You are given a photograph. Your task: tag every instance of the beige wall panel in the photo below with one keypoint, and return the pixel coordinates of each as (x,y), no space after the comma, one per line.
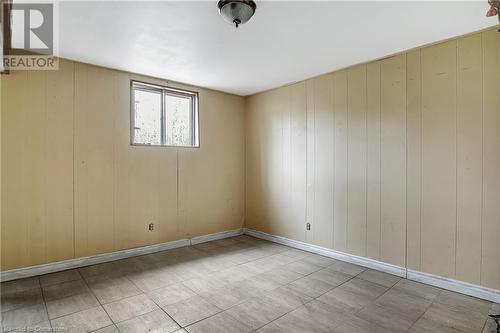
(439,159)
(94,160)
(285,222)
(490,263)
(34,167)
(414,157)
(324,143)
(340,207)
(76,186)
(145,180)
(373,161)
(280,174)
(254,172)
(58,154)
(406,157)
(211,179)
(297,205)
(15,248)
(1,211)
(393,160)
(357,154)
(262,148)
(311,159)
(469,159)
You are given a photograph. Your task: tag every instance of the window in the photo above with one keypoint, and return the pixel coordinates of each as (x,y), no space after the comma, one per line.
(163,116)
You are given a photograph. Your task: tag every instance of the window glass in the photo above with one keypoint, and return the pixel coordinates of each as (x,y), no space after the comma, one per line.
(164,116)
(179,128)
(147,122)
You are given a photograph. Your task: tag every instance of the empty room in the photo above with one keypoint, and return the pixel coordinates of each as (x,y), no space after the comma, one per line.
(250,166)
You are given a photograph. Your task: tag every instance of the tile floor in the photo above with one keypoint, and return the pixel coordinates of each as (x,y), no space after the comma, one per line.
(239,284)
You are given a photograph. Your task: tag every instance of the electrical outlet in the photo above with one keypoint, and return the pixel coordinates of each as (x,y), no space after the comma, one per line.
(308,226)
(151,227)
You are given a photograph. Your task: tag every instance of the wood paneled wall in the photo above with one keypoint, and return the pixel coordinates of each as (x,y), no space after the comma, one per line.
(73,186)
(396,160)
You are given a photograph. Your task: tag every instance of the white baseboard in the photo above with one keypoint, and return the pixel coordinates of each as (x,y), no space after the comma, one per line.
(25,272)
(216,236)
(361,261)
(492,295)
(466,288)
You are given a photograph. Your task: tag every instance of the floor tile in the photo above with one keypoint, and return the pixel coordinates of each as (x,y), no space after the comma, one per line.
(358,325)
(191,310)
(302,267)
(297,254)
(155,321)
(64,289)
(20,285)
(411,307)
(25,317)
(271,328)
(452,317)
(333,278)
(383,317)
(463,302)
(347,268)
(424,325)
(288,297)
(280,276)
(319,260)
(83,321)
(231,275)
(105,270)
(241,284)
(154,279)
(257,312)
(417,289)
(113,289)
(131,307)
(171,294)
(312,317)
(311,287)
(201,285)
(220,323)
(67,305)
(355,293)
(107,329)
(381,278)
(59,277)
(18,299)
(227,296)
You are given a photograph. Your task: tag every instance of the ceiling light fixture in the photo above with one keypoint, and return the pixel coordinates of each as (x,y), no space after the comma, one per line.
(237,11)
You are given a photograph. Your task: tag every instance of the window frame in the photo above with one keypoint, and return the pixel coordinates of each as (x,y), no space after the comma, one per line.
(164,91)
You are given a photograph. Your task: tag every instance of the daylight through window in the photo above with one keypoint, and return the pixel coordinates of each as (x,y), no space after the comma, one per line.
(163,116)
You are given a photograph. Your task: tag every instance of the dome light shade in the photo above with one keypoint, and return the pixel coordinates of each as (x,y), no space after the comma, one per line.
(237,11)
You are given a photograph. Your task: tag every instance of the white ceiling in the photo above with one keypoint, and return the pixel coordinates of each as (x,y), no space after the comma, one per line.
(286,41)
